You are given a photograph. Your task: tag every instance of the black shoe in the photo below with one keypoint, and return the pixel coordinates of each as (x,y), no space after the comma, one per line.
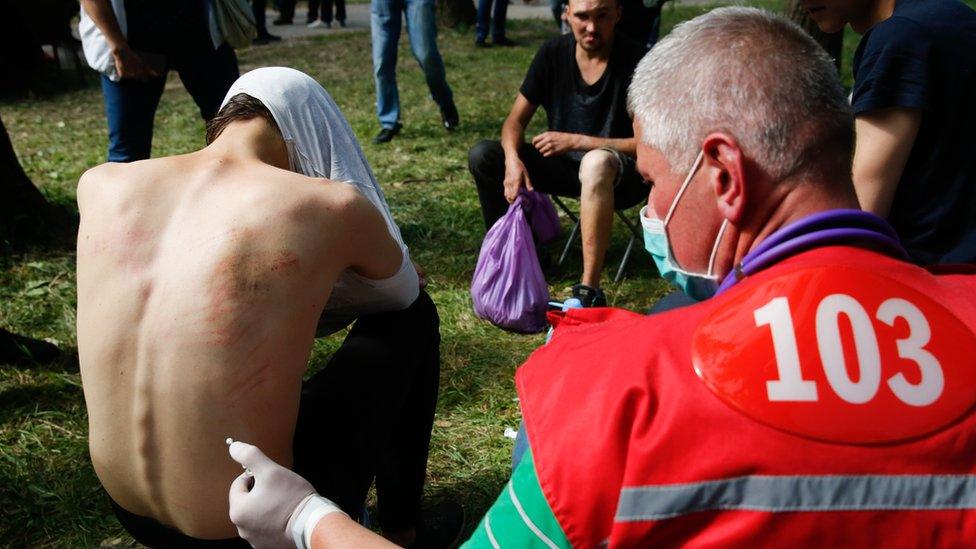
(481,44)
(589,296)
(441,527)
(503,42)
(387,134)
(16,348)
(342,23)
(265,39)
(450,117)
(281,21)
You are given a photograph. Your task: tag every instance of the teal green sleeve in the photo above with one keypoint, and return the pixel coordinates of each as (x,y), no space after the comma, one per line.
(521,516)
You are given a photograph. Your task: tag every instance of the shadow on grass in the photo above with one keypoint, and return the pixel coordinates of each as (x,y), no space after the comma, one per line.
(19,402)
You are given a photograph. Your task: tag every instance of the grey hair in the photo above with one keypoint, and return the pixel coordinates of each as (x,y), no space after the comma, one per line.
(752,74)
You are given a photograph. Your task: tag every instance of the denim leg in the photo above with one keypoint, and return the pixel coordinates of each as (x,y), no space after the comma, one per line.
(498,16)
(521,445)
(207,76)
(422,27)
(384,20)
(130,108)
(484,19)
(557,11)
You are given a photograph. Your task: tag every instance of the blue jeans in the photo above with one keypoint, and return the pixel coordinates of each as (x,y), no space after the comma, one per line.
(385,17)
(496,17)
(130,106)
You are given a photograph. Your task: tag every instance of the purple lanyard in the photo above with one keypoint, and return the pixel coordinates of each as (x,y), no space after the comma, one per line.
(830,228)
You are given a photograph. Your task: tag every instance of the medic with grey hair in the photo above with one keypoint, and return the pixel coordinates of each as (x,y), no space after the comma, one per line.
(822,396)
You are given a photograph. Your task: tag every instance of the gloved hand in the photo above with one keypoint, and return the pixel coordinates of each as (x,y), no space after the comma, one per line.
(274,512)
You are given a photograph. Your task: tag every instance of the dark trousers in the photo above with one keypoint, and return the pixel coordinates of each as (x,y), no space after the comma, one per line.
(369,413)
(286,10)
(326,12)
(260,21)
(495,16)
(130,106)
(558,175)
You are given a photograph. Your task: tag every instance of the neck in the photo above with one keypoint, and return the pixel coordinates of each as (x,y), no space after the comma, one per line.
(251,140)
(601,54)
(876,12)
(800,200)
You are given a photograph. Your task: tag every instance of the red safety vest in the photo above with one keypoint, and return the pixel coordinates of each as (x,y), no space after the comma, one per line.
(825,401)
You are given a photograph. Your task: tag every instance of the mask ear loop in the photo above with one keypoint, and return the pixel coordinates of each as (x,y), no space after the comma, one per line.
(681,190)
(718,242)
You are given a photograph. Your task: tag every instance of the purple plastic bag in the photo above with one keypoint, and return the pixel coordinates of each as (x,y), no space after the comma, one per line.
(542,217)
(508,288)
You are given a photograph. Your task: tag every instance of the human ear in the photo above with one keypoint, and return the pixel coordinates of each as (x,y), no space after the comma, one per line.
(724,167)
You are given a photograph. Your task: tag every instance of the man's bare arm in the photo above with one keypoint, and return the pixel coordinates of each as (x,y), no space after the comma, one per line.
(513,134)
(557,143)
(367,243)
(127,62)
(341,532)
(884,141)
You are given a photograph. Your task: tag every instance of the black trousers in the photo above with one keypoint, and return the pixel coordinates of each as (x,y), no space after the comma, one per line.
(313,10)
(558,175)
(367,415)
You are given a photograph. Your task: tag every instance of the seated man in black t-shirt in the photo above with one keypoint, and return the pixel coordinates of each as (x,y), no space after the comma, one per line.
(914,99)
(581,81)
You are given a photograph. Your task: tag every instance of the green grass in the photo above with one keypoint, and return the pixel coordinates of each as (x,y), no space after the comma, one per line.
(49,495)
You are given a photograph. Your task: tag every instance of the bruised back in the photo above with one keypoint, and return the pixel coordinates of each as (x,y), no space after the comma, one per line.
(199,287)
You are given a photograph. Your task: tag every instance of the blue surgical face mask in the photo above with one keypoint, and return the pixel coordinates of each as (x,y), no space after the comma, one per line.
(698,286)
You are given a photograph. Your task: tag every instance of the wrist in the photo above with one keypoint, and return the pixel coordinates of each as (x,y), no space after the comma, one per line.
(119,48)
(307,514)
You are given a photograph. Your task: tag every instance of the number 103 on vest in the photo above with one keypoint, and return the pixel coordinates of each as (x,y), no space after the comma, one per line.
(854,357)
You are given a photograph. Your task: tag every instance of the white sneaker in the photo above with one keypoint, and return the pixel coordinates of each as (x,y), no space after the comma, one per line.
(317,24)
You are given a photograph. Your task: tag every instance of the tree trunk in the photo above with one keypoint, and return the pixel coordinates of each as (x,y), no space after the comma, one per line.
(832,43)
(23,208)
(455,13)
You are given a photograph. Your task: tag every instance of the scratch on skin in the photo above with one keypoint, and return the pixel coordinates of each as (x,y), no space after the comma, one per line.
(251,381)
(238,283)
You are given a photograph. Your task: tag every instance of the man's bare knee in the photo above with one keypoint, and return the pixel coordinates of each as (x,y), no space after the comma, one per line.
(598,170)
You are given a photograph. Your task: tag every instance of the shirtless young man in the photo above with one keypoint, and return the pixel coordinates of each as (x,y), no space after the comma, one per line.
(201,281)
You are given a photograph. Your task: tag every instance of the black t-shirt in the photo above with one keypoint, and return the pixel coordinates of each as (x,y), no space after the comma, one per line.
(924,56)
(554,82)
(169,27)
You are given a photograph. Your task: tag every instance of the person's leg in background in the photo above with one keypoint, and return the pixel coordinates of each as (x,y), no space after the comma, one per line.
(557,11)
(286,12)
(258,7)
(422,28)
(483,21)
(130,107)
(385,18)
(313,13)
(340,11)
(207,76)
(498,20)
(326,12)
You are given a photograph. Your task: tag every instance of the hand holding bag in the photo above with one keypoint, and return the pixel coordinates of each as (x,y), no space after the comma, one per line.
(508,288)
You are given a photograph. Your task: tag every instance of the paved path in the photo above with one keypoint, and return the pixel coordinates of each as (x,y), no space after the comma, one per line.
(357,19)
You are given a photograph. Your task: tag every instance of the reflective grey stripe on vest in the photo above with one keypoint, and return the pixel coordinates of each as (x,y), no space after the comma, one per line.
(778,494)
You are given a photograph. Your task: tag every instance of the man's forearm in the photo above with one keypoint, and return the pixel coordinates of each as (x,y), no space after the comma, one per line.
(590,142)
(513,134)
(339,531)
(102,15)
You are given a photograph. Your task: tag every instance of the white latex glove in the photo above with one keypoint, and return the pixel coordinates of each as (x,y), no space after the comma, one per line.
(279,508)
